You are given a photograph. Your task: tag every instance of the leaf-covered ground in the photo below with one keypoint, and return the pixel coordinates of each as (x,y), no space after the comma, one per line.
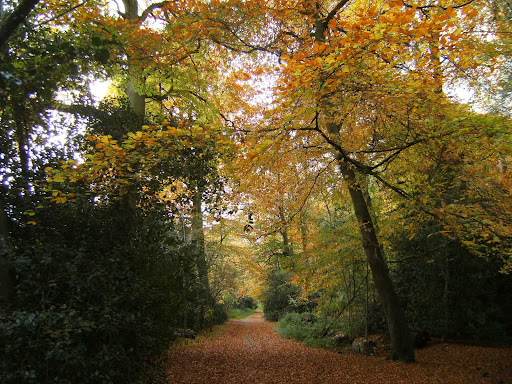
(250,351)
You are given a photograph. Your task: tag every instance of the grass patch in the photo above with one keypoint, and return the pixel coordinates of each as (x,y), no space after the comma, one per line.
(237,313)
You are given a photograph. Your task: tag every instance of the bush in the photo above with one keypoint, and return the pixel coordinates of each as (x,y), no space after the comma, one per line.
(477,300)
(299,326)
(246,302)
(303,327)
(281,297)
(220,315)
(90,306)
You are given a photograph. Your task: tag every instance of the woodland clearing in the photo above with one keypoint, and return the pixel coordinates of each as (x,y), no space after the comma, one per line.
(251,351)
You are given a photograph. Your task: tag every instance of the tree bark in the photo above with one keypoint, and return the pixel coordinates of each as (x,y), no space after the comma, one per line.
(401,342)
(23,143)
(303,231)
(446,325)
(14,20)
(137,101)
(202,265)
(7,277)
(287,247)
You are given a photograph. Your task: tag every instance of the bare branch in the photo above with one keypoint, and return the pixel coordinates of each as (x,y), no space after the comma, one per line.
(396,152)
(436,6)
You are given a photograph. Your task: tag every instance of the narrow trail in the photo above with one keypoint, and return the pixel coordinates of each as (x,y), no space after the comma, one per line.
(250,351)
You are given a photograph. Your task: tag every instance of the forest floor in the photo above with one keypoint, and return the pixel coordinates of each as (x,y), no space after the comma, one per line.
(251,351)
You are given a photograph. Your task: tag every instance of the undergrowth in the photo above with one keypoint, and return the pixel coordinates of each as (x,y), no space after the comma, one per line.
(304,327)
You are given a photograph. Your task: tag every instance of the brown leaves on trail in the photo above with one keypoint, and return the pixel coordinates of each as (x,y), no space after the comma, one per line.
(250,351)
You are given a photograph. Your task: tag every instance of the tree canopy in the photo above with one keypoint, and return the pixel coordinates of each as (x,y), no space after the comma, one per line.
(312,154)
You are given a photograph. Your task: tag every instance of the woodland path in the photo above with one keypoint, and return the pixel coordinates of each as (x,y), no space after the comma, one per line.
(250,351)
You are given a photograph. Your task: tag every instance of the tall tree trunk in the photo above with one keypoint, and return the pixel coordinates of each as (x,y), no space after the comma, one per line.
(446,325)
(287,247)
(7,272)
(184,288)
(366,306)
(137,101)
(202,265)
(12,22)
(138,104)
(401,342)
(303,227)
(23,142)
(7,275)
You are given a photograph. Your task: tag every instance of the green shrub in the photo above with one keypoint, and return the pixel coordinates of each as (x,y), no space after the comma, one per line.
(281,297)
(246,302)
(303,327)
(474,302)
(299,326)
(220,315)
(90,306)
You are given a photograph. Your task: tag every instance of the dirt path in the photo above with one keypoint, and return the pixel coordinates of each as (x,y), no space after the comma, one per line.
(250,351)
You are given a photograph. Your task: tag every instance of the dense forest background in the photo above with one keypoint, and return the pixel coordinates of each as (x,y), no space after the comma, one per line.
(314,156)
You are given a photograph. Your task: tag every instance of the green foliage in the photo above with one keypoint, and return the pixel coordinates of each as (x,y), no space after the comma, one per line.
(281,297)
(449,291)
(299,326)
(219,314)
(242,307)
(114,117)
(304,327)
(246,302)
(91,306)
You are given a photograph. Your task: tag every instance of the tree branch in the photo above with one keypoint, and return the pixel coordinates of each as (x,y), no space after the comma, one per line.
(335,11)
(151,8)
(436,6)
(60,14)
(396,152)
(82,110)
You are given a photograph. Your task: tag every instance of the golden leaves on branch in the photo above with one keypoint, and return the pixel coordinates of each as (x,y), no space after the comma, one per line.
(111,168)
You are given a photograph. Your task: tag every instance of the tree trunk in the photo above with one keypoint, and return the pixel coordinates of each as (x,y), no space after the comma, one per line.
(138,104)
(202,265)
(137,101)
(23,143)
(446,325)
(11,23)
(7,277)
(287,247)
(401,342)
(366,306)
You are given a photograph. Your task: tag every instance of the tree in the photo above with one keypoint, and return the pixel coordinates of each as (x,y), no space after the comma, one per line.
(108,259)
(12,22)
(364,83)
(36,62)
